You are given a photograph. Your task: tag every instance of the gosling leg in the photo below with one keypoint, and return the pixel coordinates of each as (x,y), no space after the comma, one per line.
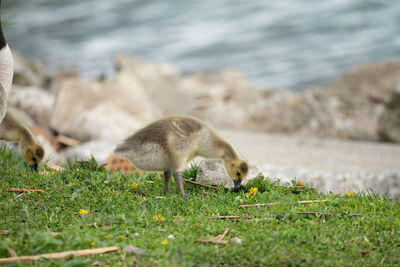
(167,181)
(179,183)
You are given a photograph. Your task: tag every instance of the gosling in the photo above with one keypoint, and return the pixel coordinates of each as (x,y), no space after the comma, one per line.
(12,129)
(170,143)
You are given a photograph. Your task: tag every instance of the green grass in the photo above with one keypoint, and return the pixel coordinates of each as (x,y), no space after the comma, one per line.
(276,236)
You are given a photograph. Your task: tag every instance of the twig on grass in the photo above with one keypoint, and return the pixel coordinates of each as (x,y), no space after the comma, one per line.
(327,213)
(231,217)
(11,252)
(23,190)
(60,255)
(217,240)
(278,203)
(202,185)
(106,224)
(54,167)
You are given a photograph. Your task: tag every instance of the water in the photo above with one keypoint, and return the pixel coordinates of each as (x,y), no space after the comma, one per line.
(293,44)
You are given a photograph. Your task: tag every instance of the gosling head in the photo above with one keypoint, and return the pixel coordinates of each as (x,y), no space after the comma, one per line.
(33,153)
(237,170)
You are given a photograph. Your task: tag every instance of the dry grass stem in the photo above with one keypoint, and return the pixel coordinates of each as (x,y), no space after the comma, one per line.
(60,255)
(278,203)
(54,167)
(202,185)
(23,190)
(326,213)
(217,240)
(231,217)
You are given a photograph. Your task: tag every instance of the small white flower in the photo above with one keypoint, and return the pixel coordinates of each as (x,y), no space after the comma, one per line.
(136,234)
(171,237)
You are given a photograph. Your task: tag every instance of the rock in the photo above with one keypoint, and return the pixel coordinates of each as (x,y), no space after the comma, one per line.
(134,250)
(213,171)
(118,103)
(99,149)
(28,72)
(118,164)
(37,103)
(105,122)
(332,111)
(389,121)
(160,81)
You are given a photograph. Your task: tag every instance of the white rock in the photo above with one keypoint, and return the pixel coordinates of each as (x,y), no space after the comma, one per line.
(99,149)
(36,102)
(77,97)
(213,171)
(106,122)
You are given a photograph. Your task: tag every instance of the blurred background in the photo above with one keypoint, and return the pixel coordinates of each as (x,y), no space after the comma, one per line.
(277,44)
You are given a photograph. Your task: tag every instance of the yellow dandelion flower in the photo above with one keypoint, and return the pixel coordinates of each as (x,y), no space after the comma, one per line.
(108,236)
(134,185)
(162,219)
(92,245)
(300,184)
(121,237)
(155,217)
(84,212)
(350,194)
(253,191)
(164,242)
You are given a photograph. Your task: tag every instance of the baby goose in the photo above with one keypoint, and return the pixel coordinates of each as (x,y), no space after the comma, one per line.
(170,143)
(14,130)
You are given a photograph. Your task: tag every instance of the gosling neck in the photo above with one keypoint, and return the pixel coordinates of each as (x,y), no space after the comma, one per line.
(229,153)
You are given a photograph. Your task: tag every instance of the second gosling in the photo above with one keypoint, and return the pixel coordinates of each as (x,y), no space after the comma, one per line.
(170,143)
(12,129)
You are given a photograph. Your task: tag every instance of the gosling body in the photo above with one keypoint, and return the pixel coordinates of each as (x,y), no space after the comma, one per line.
(170,143)
(12,129)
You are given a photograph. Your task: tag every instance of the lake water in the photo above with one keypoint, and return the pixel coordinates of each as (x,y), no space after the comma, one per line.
(292,44)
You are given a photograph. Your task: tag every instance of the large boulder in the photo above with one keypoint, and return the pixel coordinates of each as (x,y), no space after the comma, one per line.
(348,108)
(160,81)
(36,102)
(389,121)
(109,104)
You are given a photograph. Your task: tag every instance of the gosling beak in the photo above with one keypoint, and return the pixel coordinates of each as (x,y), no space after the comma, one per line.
(237,185)
(34,167)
